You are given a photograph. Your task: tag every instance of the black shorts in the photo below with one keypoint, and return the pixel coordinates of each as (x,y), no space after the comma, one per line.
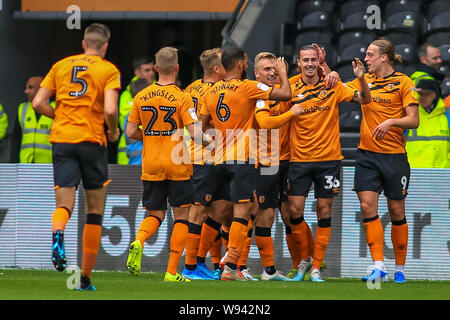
(271,188)
(206,185)
(238,180)
(326,176)
(382,172)
(157,193)
(86,161)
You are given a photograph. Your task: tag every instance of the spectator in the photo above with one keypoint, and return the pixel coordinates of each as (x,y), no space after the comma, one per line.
(143,68)
(428,146)
(31,131)
(3,122)
(134,147)
(430,62)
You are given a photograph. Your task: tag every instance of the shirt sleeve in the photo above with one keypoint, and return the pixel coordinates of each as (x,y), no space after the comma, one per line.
(113,81)
(354,84)
(407,93)
(257,90)
(345,92)
(49,80)
(187,110)
(266,120)
(134,116)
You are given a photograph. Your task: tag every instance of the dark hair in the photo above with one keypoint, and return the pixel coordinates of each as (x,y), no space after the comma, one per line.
(424,48)
(142,59)
(231,56)
(138,85)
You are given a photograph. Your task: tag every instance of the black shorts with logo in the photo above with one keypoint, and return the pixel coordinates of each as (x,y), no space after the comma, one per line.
(206,185)
(238,180)
(382,172)
(157,193)
(86,161)
(271,188)
(326,176)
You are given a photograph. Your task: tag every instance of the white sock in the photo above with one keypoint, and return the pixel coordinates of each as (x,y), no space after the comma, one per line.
(380,265)
(400,268)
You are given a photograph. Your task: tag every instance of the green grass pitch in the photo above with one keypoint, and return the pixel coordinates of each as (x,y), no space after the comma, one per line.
(23,284)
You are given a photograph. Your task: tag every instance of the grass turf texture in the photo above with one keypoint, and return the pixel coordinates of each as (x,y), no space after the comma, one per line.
(20,284)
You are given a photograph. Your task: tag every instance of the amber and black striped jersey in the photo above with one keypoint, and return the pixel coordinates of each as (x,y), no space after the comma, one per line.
(390,96)
(314,135)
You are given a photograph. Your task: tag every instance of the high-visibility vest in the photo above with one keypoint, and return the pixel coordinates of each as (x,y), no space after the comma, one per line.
(428,146)
(125,103)
(36,146)
(3,122)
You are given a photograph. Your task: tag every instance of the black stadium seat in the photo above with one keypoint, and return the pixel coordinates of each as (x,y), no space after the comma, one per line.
(322,38)
(392,6)
(357,50)
(437,7)
(440,22)
(404,21)
(354,21)
(445,69)
(445,87)
(438,38)
(402,38)
(306,7)
(405,68)
(351,37)
(349,7)
(408,52)
(316,20)
(445,53)
(345,72)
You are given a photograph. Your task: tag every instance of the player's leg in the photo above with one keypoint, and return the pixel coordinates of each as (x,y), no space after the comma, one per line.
(181,197)
(154,199)
(242,262)
(66,177)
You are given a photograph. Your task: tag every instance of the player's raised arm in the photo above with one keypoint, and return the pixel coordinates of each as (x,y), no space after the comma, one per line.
(111,110)
(282,93)
(40,102)
(363,96)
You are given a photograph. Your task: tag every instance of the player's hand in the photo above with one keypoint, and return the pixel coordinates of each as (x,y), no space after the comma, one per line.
(320,52)
(358,68)
(297,109)
(113,136)
(332,79)
(280,66)
(381,130)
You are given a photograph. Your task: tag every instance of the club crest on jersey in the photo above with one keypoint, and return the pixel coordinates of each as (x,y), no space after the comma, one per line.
(323,93)
(390,86)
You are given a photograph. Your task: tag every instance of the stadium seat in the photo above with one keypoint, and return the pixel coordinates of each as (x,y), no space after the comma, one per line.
(402,38)
(351,37)
(445,69)
(393,6)
(349,7)
(405,68)
(440,22)
(316,20)
(354,21)
(306,7)
(408,52)
(349,54)
(445,87)
(445,53)
(404,21)
(322,38)
(438,38)
(346,72)
(349,117)
(437,7)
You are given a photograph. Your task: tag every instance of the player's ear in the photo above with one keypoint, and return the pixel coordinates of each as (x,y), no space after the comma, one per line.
(156,68)
(83,45)
(177,67)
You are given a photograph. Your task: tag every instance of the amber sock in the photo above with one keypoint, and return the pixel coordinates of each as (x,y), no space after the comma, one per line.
(225,232)
(60,218)
(210,230)
(91,240)
(293,248)
(147,228)
(399,237)
(264,242)
(177,244)
(238,234)
(323,234)
(299,233)
(245,248)
(216,250)
(374,237)
(310,240)
(192,245)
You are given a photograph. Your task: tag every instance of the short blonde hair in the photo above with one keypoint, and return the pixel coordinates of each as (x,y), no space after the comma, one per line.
(166,59)
(210,58)
(264,55)
(96,35)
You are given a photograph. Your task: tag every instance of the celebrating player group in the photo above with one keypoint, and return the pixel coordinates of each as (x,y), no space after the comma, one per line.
(227,152)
